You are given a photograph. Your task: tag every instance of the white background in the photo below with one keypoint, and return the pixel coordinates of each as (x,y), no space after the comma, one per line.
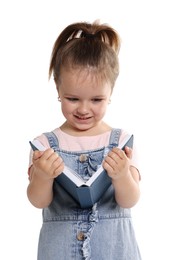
(141,103)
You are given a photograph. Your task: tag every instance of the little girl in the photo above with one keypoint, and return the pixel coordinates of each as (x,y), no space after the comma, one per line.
(85,66)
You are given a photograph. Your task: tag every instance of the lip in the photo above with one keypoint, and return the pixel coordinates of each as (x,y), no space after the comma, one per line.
(82,119)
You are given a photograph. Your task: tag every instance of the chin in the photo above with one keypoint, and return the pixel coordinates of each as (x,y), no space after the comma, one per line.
(83,127)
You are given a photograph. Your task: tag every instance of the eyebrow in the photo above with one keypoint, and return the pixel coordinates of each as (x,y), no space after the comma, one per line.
(76,96)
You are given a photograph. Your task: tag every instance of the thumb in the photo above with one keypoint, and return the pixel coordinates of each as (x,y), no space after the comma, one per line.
(128,152)
(37,154)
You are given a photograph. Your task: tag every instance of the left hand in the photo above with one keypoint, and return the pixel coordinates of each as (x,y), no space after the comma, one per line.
(117,162)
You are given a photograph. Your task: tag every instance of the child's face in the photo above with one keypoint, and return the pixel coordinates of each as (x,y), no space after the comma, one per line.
(84,98)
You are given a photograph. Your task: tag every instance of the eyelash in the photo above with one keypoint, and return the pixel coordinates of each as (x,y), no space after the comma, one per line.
(93,100)
(72,99)
(97,100)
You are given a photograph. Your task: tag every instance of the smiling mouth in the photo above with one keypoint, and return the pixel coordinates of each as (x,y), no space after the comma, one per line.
(82,118)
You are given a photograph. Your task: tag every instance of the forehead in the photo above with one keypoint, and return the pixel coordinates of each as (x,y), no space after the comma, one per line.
(87,76)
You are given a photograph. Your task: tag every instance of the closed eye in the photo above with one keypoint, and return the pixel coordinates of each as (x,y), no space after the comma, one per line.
(97,100)
(72,99)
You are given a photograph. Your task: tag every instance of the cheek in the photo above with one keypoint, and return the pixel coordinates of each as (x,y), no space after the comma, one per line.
(64,108)
(100,110)
(67,108)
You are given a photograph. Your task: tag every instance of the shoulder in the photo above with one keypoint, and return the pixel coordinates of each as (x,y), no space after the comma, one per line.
(121,133)
(42,138)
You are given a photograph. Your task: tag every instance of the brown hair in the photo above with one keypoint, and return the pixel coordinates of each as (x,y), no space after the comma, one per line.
(82,45)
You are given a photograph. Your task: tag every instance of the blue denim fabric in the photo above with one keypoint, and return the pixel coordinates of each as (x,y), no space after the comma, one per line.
(103,232)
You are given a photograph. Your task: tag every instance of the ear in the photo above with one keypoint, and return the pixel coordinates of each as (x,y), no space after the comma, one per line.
(57,88)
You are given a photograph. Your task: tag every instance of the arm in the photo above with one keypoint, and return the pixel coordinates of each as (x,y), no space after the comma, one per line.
(125,178)
(46,166)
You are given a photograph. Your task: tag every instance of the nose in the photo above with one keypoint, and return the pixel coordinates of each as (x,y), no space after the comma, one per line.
(83,108)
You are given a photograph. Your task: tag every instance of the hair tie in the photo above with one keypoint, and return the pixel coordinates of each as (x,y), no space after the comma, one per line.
(87,35)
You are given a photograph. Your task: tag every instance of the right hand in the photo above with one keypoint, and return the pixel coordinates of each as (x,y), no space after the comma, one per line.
(47,164)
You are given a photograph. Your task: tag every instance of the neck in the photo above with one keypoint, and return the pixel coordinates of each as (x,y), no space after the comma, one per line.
(101,128)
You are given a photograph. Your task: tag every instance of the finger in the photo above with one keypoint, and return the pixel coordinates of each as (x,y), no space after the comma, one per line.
(111,170)
(53,157)
(116,153)
(56,167)
(112,162)
(47,154)
(112,159)
(55,163)
(59,169)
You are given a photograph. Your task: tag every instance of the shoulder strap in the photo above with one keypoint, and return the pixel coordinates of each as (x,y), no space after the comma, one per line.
(52,139)
(114,137)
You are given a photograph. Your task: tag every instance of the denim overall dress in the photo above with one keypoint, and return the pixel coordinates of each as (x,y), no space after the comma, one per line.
(102,232)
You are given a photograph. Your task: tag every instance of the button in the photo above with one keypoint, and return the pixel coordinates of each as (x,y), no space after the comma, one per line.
(80,236)
(83,158)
